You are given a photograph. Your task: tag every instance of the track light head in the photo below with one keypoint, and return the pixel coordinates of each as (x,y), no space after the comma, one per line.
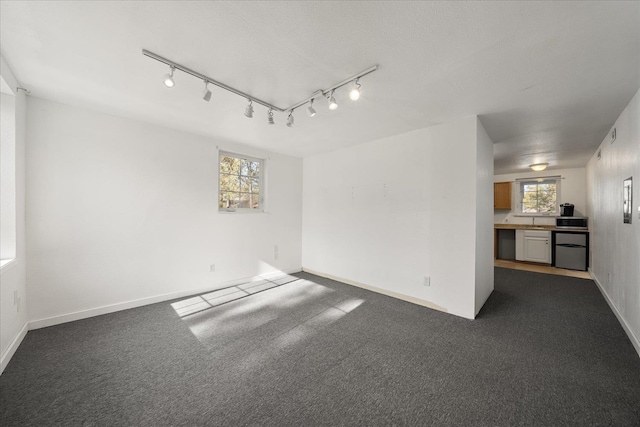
(168,78)
(355,92)
(353,82)
(332,102)
(311,110)
(207,92)
(249,110)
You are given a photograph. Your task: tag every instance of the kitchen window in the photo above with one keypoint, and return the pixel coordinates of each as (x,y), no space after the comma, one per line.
(539,197)
(240,183)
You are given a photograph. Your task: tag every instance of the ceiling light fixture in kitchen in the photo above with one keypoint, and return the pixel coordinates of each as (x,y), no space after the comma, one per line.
(539,166)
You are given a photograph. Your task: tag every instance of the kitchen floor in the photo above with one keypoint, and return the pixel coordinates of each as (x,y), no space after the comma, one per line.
(538,268)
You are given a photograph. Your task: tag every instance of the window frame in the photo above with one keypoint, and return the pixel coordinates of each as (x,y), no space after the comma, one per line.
(261,182)
(520,189)
(8,181)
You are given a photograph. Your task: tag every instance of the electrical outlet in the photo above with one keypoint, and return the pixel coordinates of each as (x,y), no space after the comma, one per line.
(212,268)
(275,251)
(427,281)
(609,278)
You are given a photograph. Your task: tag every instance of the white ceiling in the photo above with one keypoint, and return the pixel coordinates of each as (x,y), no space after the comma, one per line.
(547,79)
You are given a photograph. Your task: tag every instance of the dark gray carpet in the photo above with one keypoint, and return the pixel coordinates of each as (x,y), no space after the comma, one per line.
(545,351)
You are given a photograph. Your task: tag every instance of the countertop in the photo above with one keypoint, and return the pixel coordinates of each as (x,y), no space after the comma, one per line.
(536,227)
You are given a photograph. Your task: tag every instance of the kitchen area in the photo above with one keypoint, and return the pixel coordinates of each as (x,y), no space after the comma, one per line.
(534,231)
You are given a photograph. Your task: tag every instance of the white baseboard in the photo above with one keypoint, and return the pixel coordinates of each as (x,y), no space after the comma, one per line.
(8,354)
(97,311)
(623,322)
(396,295)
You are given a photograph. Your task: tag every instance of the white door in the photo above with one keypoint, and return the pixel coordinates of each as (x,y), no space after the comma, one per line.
(537,249)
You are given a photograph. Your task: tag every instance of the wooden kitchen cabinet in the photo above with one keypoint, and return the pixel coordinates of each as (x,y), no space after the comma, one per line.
(502,195)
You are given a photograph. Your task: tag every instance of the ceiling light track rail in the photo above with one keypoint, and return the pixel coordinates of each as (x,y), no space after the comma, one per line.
(327,91)
(206,79)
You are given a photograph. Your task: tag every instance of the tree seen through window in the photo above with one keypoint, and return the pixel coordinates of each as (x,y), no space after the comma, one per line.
(240,182)
(538,197)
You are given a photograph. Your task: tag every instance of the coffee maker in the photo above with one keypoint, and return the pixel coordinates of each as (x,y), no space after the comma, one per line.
(566,209)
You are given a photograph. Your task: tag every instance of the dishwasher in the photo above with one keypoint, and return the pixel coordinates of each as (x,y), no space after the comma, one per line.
(571,250)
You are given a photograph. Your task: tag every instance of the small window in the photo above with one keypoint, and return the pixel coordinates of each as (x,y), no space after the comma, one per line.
(8,212)
(240,186)
(539,197)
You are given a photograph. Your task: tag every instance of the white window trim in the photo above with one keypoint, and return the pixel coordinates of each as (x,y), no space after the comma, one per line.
(7,264)
(520,182)
(262,179)
(8,190)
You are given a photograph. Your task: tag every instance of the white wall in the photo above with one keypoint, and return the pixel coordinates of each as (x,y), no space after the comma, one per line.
(572,190)
(13,312)
(120,211)
(387,213)
(615,246)
(484,217)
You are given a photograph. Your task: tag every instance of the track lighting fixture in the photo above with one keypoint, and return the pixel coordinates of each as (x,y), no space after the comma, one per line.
(168,78)
(355,92)
(328,93)
(312,111)
(207,92)
(332,102)
(249,110)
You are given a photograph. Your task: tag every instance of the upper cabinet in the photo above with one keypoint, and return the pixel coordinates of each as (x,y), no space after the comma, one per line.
(502,195)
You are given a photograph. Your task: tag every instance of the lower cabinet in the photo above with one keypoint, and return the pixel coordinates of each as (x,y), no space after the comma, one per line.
(533,245)
(537,249)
